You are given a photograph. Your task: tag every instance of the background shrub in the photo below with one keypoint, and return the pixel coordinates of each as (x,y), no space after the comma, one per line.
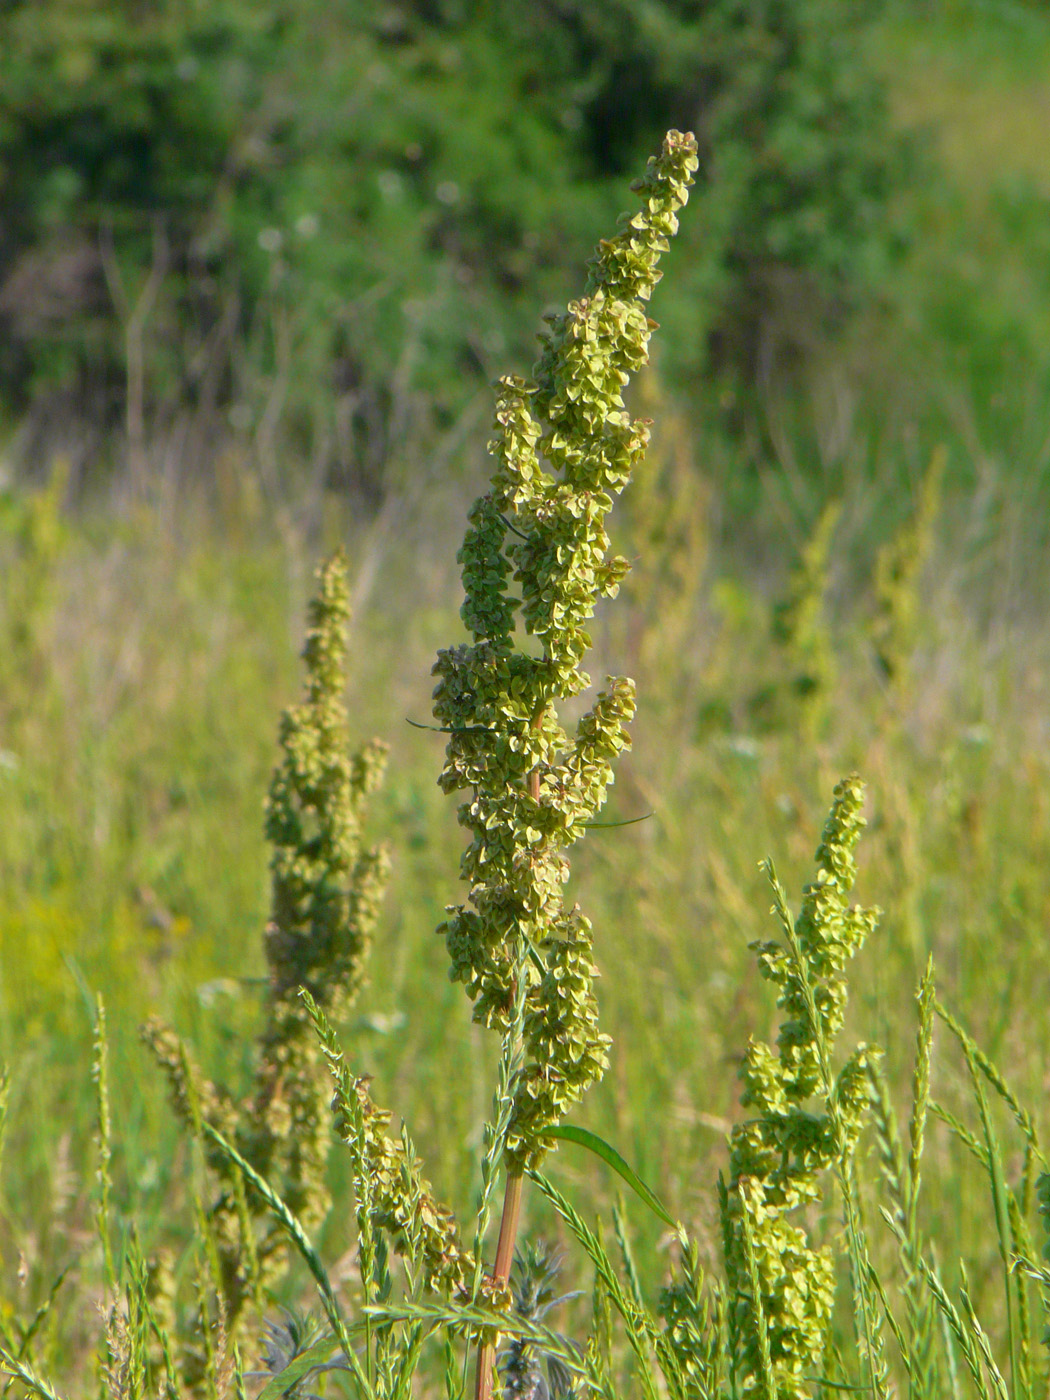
(344,215)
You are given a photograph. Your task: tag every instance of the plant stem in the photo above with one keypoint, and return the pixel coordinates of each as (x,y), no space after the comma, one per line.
(508,1234)
(508,1226)
(508,1229)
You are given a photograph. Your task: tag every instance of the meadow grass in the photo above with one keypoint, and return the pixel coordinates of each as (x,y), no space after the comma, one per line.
(955,854)
(134,862)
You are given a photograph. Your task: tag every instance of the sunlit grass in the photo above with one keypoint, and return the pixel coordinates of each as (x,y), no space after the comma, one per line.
(135,765)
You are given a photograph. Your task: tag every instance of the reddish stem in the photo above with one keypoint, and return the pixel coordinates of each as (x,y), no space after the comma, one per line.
(508,1234)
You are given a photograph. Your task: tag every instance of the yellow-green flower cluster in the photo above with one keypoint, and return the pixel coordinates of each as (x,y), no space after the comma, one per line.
(564,446)
(799,1130)
(898,571)
(403,1203)
(326,886)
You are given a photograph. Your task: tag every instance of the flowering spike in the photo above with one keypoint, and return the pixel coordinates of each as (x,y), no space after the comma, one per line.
(326,885)
(778,1155)
(564,446)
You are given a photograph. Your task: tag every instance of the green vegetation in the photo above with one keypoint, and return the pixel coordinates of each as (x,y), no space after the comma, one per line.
(818,1262)
(838,566)
(324,225)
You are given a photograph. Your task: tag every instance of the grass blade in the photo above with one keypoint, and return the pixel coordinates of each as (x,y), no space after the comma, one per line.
(950,1314)
(920,1096)
(583,1137)
(769,1381)
(1000,1193)
(630,1268)
(41,1313)
(991,1073)
(100,1074)
(437,1313)
(299,1239)
(641,1334)
(22,1371)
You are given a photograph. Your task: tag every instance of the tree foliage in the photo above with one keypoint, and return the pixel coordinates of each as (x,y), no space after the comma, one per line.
(350,199)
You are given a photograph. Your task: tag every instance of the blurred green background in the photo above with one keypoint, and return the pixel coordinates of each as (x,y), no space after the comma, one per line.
(258,266)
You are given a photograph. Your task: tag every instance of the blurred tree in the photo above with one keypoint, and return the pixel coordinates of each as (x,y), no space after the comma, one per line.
(330,213)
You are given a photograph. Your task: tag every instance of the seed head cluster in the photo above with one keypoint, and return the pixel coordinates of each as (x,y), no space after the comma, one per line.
(778,1157)
(564,446)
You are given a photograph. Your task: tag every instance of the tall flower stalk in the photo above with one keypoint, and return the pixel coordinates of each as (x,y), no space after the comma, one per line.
(326,888)
(805,1121)
(564,446)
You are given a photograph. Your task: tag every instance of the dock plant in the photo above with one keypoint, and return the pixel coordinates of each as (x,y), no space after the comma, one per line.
(800,640)
(782,1289)
(326,889)
(898,574)
(565,446)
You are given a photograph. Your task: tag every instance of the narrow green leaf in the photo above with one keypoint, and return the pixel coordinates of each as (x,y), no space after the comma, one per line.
(41,1313)
(611,826)
(302,1243)
(583,1137)
(839,1385)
